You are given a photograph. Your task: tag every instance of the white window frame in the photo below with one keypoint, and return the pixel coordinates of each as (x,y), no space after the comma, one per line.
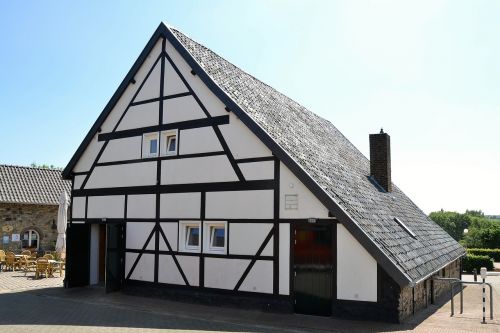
(207,237)
(164,142)
(30,239)
(146,139)
(183,236)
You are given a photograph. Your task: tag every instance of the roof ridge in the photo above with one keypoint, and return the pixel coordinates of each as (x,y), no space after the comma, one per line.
(30,167)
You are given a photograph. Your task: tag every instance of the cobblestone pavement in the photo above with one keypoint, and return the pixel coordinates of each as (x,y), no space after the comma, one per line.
(39,307)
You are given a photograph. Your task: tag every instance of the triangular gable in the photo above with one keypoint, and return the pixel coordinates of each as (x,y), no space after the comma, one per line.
(330,203)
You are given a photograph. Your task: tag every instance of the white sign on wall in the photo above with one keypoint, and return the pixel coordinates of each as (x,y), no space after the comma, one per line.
(16,237)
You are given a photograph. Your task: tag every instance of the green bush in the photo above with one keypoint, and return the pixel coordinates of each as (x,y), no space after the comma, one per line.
(492,253)
(471,261)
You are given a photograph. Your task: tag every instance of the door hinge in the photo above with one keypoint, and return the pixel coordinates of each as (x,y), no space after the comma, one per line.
(295,301)
(295,273)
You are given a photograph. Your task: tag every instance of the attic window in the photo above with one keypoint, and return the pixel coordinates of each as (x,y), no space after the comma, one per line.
(150,145)
(402,225)
(169,143)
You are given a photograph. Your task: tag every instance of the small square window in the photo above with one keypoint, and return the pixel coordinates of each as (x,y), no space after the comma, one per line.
(215,237)
(169,142)
(192,236)
(189,236)
(150,145)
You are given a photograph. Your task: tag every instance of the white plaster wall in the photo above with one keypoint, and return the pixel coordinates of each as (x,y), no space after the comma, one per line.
(78,206)
(141,206)
(191,268)
(131,89)
(120,175)
(224,273)
(88,156)
(172,82)
(198,140)
(284,262)
(257,170)
(170,231)
(181,109)
(122,149)
(78,181)
(144,271)
(138,233)
(180,205)
(141,115)
(168,271)
(241,141)
(197,170)
(151,88)
(260,278)
(309,205)
(94,254)
(246,238)
(240,204)
(214,106)
(356,269)
(111,206)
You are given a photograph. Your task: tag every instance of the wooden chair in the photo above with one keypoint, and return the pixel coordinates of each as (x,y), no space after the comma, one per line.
(27,264)
(42,267)
(26,253)
(2,258)
(34,254)
(49,256)
(10,261)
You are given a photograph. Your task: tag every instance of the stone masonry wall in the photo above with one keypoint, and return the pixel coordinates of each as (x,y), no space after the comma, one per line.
(23,217)
(414,299)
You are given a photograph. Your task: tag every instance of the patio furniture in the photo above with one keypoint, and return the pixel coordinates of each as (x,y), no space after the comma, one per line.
(2,259)
(42,267)
(34,255)
(49,256)
(62,257)
(26,253)
(54,266)
(27,264)
(11,261)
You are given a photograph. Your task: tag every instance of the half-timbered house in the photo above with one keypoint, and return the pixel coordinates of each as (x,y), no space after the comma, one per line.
(201,179)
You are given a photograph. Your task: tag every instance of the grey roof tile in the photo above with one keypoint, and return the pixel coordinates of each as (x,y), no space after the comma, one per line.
(27,185)
(337,166)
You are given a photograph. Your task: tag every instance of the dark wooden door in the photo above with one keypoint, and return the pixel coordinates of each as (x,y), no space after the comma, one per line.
(115,256)
(77,255)
(313,269)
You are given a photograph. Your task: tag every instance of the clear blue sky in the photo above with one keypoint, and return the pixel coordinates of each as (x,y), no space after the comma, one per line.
(427,71)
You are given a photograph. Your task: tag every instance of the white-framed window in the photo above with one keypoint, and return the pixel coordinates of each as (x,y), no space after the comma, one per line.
(215,237)
(291,201)
(190,236)
(150,145)
(169,140)
(30,239)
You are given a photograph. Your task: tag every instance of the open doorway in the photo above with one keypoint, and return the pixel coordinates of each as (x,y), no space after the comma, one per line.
(97,254)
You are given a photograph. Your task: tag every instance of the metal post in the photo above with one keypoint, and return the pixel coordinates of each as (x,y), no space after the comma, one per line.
(491,302)
(484,303)
(461,298)
(452,302)
(474,271)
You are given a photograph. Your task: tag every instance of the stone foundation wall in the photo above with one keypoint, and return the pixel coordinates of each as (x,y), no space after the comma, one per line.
(412,300)
(23,217)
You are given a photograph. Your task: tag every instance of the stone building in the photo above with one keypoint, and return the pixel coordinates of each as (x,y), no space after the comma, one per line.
(28,207)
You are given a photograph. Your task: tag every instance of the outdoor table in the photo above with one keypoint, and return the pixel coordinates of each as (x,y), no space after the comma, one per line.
(51,263)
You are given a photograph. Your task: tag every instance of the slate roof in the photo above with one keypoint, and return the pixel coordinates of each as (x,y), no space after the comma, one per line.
(328,164)
(27,185)
(337,166)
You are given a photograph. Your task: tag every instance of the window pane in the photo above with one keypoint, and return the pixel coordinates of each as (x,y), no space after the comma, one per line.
(34,235)
(171,143)
(153,146)
(217,236)
(193,236)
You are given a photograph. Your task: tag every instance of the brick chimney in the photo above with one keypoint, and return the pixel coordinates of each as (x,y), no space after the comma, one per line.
(380,159)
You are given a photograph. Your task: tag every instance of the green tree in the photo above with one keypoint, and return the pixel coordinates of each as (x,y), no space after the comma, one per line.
(483,233)
(452,222)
